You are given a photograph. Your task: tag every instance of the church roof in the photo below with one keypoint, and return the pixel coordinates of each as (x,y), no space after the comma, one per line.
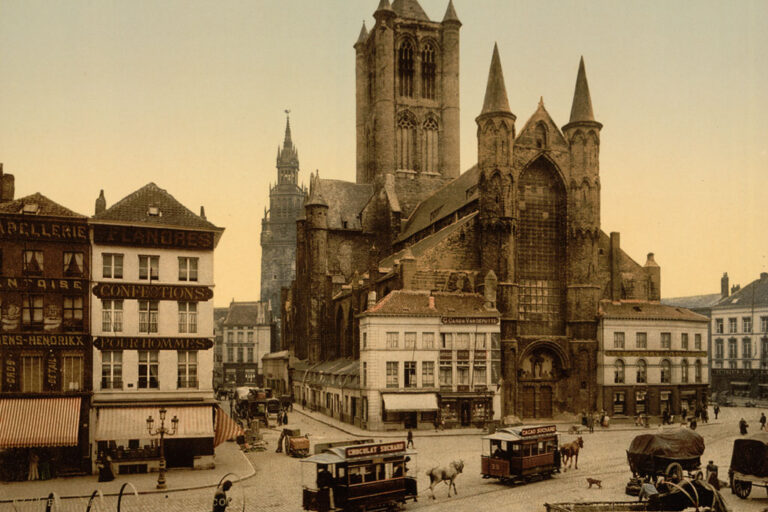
(754,294)
(641,310)
(44,207)
(444,201)
(694,301)
(409,9)
(495,91)
(135,207)
(427,243)
(581,110)
(425,303)
(450,13)
(348,201)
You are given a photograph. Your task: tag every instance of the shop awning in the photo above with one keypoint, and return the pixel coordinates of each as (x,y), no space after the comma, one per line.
(113,423)
(225,428)
(30,422)
(410,401)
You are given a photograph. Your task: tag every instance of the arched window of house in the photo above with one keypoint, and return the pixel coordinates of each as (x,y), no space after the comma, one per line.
(428,72)
(406,142)
(666,371)
(405,69)
(684,370)
(618,371)
(429,146)
(642,372)
(697,371)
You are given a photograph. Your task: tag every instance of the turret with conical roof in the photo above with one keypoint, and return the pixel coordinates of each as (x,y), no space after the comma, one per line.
(583,134)
(496,123)
(450,14)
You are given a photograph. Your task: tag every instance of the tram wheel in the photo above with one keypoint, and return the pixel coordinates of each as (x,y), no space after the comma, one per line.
(742,488)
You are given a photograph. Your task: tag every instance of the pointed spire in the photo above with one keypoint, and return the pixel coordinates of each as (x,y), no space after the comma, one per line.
(363,35)
(581,110)
(287,143)
(383,7)
(495,92)
(450,14)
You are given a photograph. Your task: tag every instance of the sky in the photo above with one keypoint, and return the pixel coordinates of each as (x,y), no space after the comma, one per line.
(191,94)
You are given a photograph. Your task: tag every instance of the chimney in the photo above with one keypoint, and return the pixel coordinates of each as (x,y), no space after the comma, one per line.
(202,212)
(735,288)
(615,268)
(724,285)
(7,186)
(431,302)
(407,269)
(653,271)
(101,203)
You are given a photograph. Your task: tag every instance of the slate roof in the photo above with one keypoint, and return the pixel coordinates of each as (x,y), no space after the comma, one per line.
(639,310)
(450,13)
(417,303)
(754,294)
(246,314)
(219,314)
(694,301)
(429,242)
(409,9)
(46,207)
(451,197)
(495,90)
(135,208)
(348,201)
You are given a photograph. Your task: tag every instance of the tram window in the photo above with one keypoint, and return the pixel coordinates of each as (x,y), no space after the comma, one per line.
(516,450)
(496,450)
(388,470)
(341,474)
(542,449)
(369,473)
(551,446)
(398,469)
(355,475)
(527,450)
(381,471)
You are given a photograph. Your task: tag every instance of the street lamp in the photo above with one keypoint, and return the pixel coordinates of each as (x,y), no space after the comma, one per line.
(162,432)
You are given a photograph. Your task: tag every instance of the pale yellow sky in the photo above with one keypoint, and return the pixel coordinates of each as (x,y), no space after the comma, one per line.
(190,94)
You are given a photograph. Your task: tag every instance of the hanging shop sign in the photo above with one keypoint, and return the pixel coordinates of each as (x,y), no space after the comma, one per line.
(160,238)
(146,343)
(152,292)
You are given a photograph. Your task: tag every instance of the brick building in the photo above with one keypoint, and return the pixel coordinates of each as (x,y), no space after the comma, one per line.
(528,213)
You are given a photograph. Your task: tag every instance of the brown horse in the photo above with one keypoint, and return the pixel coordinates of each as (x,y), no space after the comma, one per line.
(447,475)
(570,451)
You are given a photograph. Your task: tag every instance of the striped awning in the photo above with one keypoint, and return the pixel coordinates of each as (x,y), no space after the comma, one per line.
(114,423)
(226,428)
(38,422)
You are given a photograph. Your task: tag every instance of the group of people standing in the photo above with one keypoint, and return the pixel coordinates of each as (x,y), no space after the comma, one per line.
(689,417)
(589,420)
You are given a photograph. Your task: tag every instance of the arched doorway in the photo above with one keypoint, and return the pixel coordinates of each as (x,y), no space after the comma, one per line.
(542,367)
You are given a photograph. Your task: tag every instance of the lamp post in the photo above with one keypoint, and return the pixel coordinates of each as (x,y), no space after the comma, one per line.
(162,432)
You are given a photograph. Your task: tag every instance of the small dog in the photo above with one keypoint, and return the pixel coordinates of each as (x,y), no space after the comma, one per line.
(574,430)
(594,481)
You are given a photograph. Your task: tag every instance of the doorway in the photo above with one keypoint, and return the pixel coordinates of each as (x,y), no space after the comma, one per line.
(466,413)
(411,420)
(529,402)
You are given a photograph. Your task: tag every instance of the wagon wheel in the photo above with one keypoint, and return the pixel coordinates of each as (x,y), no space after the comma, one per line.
(674,471)
(742,488)
(698,476)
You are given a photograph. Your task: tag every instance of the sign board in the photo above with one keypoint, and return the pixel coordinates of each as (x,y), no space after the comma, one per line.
(147,343)
(159,238)
(461,320)
(537,431)
(152,292)
(34,284)
(44,340)
(376,449)
(43,230)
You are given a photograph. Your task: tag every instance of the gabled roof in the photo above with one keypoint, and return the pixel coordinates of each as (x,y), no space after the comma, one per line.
(640,310)
(45,207)
(427,243)
(409,9)
(754,294)
(135,208)
(348,201)
(219,314)
(245,314)
(446,200)
(419,303)
(555,136)
(694,301)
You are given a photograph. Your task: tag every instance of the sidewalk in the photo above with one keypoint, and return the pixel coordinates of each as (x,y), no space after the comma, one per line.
(229,459)
(563,425)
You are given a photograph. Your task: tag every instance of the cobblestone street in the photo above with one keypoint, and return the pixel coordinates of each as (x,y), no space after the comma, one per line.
(276,484)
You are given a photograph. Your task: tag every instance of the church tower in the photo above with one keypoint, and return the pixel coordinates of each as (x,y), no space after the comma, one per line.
(407,74)
(278,227)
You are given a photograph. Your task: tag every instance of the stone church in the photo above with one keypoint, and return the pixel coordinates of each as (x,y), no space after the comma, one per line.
(520,228)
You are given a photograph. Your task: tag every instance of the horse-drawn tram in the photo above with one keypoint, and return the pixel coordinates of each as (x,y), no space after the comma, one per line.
(520,453)
(359,477)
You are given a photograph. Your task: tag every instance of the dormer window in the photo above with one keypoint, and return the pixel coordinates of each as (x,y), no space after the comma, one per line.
(153,211)
(30,209)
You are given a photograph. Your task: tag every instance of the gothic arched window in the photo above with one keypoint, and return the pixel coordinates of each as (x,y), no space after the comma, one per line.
(405,69)
(428,72)
(406,140)
(429,146)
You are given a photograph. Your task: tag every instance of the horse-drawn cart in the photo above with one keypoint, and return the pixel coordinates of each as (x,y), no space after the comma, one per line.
(668,454)
(749,464)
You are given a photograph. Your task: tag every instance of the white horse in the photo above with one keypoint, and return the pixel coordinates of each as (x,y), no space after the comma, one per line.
(447,475)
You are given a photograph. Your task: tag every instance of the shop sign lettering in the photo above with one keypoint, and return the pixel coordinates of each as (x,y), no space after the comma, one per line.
(34,229)
(135,236)
(43,340)
(135,343)
(27,284)
(51,372)
(10,373)
(460,320)
(537,431)
(152,292)
(376,449)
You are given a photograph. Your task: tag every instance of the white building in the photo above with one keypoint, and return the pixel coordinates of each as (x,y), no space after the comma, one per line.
(651,358)
(246,339)
(426,356)
(152,322)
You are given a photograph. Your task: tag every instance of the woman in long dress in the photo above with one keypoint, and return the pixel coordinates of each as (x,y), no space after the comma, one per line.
(105,468)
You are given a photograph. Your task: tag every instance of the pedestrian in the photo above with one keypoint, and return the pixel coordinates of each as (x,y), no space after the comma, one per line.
(693,423)
(717,410)
(712,477)
(762,421)
(705,415)
(280,417)
(33,473)
(410,439)
(104,466)
(665,417)
(743,426)
(591,423)
(220,500)
(285,417)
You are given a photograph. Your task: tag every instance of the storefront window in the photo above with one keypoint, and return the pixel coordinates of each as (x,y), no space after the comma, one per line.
(640,402)
(618,403)
(449,411)
(72,372)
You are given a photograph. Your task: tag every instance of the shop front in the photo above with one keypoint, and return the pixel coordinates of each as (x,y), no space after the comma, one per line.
(466,409)
(409,410)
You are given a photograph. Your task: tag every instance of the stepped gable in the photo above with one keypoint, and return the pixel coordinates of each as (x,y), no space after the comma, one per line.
(349,199)
(45,207)
(135,208)
(641,310)
(417,303)
(445,201)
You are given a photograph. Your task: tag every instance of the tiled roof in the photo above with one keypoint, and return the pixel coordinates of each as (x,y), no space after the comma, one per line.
(694,301)
(444,201)
(754,294)
(409,9)
(135,208)
(638,310)
(417,303)
(245,314)
(45,207)
(219,314)
(348,201)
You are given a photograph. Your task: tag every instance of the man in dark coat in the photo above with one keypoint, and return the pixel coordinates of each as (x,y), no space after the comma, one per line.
(717,410)
(410,439)
(743,426)
(762,421)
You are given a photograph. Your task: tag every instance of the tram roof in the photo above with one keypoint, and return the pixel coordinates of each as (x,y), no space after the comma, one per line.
(364,451)
(522,432)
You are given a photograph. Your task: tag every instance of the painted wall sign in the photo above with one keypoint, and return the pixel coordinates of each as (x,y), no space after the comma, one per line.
(44,230)
(462,320)
(33,284)
(135,343)
(656,353)
(537,431)
(51,373)
(152,292)
(136,236)
(43,340)
(10,373)
(376,449)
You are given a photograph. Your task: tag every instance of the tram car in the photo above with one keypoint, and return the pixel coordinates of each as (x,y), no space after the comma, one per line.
(357,477)
(520,454)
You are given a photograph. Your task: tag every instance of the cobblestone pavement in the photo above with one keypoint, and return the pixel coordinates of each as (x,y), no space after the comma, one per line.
(276,486)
